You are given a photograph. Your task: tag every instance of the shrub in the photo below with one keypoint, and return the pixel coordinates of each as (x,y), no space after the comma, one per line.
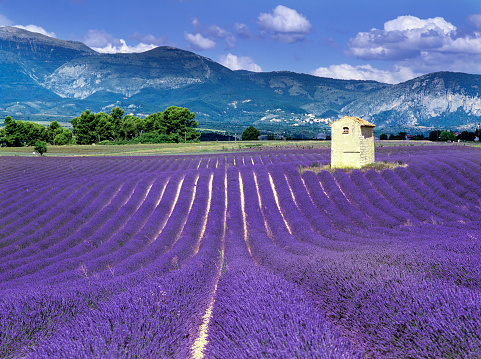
(40,147)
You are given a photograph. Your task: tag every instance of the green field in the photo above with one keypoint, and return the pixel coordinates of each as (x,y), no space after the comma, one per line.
(190,148)
(162,149)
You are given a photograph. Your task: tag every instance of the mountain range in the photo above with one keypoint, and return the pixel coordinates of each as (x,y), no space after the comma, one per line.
(43,78)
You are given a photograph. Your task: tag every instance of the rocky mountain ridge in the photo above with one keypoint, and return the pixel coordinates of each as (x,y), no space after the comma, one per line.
(450,99)
(42,78)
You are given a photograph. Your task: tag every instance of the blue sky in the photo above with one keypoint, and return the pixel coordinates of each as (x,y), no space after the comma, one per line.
(383,40)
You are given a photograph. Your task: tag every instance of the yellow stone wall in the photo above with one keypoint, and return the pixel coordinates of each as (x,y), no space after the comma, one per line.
(353,149)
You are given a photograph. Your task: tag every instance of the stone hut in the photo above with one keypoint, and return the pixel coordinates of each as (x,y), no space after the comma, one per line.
(352,142)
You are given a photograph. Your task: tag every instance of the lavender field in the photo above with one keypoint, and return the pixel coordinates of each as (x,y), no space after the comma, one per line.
(241,256)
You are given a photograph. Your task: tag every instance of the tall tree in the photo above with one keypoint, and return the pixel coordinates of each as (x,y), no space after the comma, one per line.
(12,133)
(250,134)
(84,128)
(140,125)
(178,124)
(175,124)
(115,119)
(64,138)
(128,126)
(447,136)
(104,129)
(52,131)
(40,147)
(466,136)
(152,122)
(22,133)
(434,135)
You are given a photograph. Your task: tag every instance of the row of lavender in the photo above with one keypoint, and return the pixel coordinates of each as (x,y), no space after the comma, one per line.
(129,265)
(29,168)
(24,172)
(89,308)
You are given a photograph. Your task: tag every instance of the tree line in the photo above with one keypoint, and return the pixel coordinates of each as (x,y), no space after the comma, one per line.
(437,135)
(18,133)
(174,124)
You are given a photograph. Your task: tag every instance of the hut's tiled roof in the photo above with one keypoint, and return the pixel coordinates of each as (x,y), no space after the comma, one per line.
(358,120)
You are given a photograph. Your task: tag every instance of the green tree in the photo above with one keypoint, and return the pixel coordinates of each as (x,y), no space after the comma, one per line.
(434,135)
(21,133)
(40,147)
(175,124)
(447,136)
(53,130)
(115,119)
(128,127)
(64,138)
(104,130)
(178,124)
(140,125)
(151,122)
(84,128)
(13,132)
(400,136)
(466,136)
(250,134)
(383,137)
(34,131)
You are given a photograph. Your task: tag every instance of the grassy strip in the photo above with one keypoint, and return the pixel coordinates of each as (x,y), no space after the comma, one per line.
(164,148)
(377,166)
(192,148)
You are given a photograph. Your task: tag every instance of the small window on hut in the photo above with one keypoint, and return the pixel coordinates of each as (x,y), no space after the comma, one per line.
(345,130)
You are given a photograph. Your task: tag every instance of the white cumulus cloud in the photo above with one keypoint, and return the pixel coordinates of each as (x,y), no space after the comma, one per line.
(243,31)
(149,39)
(124,48)
(4,21)
(212,32)
(284,19)
(285,24)
(199,42)
(220,33)
(405,23)
(103,42)
(423,45)
(37,29)
(408,37)
(365,72)
(235,62)
(475,19)
(98,39)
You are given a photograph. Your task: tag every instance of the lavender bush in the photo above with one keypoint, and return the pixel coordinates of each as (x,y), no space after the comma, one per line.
(242,255)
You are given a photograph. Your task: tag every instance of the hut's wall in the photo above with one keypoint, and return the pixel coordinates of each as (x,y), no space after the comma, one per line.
(352,145)
(366,142)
